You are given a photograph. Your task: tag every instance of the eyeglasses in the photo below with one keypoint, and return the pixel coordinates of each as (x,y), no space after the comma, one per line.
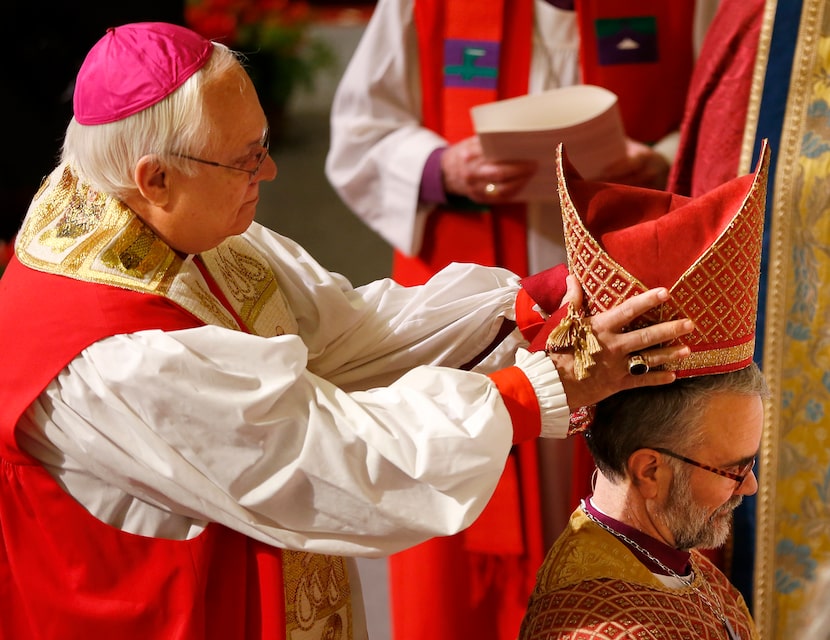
(739,477)
(260,158)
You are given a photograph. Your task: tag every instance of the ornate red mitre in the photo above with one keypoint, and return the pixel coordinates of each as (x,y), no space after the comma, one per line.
(622,241)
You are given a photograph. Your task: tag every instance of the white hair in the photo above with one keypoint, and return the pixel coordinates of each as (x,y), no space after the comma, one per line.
(105,155)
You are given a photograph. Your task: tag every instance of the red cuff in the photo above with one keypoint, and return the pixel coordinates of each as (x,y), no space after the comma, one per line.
(548,287)
(528,319)
(521,402)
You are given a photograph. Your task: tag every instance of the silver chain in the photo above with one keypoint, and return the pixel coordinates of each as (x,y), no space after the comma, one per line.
(717,610)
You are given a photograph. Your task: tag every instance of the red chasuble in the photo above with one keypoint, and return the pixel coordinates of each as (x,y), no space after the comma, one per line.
(65,574)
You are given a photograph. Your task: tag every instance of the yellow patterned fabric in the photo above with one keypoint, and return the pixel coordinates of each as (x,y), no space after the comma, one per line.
(592,587)
(317,597)
(74,231)
(794,495)
(71,230)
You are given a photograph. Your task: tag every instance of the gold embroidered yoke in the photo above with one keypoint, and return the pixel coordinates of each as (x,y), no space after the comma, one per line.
(592,586)
(75,231)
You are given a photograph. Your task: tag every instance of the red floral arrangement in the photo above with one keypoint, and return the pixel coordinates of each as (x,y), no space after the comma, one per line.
(273,35)
(6,253)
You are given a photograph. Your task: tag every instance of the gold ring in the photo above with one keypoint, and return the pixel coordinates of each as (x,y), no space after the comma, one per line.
(490,189)
(637,365)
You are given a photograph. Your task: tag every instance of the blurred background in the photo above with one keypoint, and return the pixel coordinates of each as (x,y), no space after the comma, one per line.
(296,50)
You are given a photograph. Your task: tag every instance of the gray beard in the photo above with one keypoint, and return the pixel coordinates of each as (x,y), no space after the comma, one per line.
(693,526)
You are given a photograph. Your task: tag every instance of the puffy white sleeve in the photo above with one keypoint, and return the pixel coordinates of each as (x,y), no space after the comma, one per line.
(371,335)
(215,425)
(348,438)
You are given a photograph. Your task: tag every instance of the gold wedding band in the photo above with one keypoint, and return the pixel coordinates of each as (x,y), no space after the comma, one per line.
(637,365)
(490,188)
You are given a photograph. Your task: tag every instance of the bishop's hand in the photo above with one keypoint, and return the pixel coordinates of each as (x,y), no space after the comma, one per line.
(610,372)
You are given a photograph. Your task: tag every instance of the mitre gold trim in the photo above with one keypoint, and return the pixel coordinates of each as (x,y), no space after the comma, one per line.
(718,291)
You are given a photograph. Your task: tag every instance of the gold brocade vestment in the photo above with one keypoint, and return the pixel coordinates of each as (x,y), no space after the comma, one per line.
(592,586)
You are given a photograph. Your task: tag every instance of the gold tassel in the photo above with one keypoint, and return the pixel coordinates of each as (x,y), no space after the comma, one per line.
(575,331)
(565,334)
(591,343)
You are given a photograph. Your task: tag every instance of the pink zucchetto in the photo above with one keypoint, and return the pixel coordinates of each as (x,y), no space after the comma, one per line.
(134,66)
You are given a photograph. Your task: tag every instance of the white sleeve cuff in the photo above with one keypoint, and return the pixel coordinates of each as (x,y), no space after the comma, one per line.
(553,404)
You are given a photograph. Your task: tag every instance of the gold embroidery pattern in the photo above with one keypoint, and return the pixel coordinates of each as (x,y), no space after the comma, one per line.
(250,286)
(718,292)
(74,231)
(317,597)
(591,585)
(77,221)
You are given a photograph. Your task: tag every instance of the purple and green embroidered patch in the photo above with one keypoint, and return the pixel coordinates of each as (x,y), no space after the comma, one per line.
(626,40)
(471,63)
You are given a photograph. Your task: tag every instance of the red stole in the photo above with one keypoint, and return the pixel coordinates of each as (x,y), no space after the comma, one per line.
(462,48)
(474,584)
(63,573)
